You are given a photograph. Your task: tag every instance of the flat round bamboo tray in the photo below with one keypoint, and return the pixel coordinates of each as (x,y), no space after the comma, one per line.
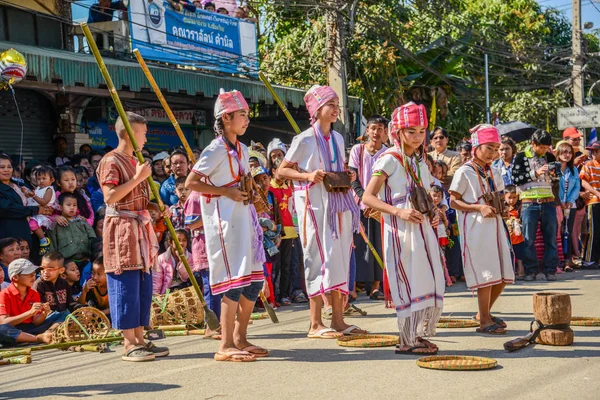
(457,323)
(368,340)
(457,363)
(585,321)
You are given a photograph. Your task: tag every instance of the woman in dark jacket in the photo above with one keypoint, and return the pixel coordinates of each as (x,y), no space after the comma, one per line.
(13,214)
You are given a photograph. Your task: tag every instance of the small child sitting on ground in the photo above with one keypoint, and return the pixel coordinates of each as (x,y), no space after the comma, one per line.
(53,289)
(72,276)
(170,273)
(95,292)
(23,317)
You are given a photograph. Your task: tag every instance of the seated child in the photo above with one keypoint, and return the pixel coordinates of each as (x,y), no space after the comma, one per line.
(74,240)
(25,250)
(170,272)
(513,223)
(177,210)
(82,176)
(53,289)
(440,170)
(23,317)
(95,292)
(43,195)
(72,276)
(98,229)
(9,251)
(3,282)
(158,223)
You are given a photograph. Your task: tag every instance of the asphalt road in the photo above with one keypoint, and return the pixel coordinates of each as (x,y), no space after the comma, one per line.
(302,368)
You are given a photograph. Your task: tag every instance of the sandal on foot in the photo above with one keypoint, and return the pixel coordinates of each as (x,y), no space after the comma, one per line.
(493,329)
(495,320)
(256,351)
(301,298)
(234,356)
(411,350)
(327,313)
(157,351)
(377,295)
(353,311)
(427,343)
(325,333)
(138,354)
(350,331)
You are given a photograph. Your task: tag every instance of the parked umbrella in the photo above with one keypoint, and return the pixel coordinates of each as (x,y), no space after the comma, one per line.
(516,130)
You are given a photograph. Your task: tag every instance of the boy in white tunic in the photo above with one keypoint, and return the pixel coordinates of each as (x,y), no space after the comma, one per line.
(485,244)
(327,220)
(412,255)
(233,235)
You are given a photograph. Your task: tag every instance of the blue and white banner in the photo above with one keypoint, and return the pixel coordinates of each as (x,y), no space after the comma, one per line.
(197,38)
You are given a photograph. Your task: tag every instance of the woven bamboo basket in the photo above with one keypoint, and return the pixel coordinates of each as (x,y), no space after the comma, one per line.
(457,323)
(82,324)
(176,308)
(368,340)
(585,321)
(457,363)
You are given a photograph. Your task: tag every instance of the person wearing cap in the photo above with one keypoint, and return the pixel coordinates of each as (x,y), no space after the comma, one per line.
(275,150)
(573,137)
(23,316)
(485,244)
(531,174)
(234,238)
(327,219)
(158,172)
(439,141)
(590,180)
(414,266)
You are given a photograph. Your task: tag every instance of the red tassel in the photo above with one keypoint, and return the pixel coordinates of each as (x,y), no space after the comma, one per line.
(387,293)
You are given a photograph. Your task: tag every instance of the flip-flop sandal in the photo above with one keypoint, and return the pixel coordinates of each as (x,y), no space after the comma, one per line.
(327,313)
(427,343)
(412,351)
(377,295)
(234,356)
(493,329)
(138,354)
(323,334)
(351,312)
(215,335)
(256,351)
(496,320)
(157,351)
(301,298)
(350,331)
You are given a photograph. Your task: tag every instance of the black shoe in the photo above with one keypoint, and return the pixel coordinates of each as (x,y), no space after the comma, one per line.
(530,278)
(157,351)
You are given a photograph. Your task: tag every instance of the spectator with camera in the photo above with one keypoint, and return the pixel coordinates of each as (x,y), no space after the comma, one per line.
(531,173)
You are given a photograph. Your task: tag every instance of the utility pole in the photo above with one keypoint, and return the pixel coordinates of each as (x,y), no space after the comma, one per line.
(337,64)
(577,74)
(487,90)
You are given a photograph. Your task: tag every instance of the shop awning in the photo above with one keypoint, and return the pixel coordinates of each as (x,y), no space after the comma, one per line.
(79,69)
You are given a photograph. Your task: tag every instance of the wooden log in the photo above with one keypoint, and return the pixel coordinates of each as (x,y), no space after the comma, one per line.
(551,308)
(556,337)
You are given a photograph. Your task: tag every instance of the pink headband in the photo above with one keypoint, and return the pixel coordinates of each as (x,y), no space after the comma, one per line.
(316,97)
(484,133)
(407,116)
(229,102)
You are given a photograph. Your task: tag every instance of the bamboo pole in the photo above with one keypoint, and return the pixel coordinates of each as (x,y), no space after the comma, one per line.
(296,128)
(16,360)
(211,318)
(186,145)
(14,353)
(76,343)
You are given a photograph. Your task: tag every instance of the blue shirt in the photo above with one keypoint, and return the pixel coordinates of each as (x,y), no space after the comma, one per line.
(98,15)
(506,171)
(97,200)
(569,186)
(167,191)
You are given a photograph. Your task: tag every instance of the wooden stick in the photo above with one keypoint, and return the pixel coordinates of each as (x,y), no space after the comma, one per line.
(167,328)
(211,317)
(16,360)
(14,353)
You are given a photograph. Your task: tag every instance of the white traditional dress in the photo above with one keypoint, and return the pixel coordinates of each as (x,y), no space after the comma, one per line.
(412,254)
(485,244)
(230,227)
(326,253)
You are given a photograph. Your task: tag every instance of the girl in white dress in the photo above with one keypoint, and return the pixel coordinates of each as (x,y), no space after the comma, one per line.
(412,254)
(234,239)
(485,244)
(43,195)
(327,220)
